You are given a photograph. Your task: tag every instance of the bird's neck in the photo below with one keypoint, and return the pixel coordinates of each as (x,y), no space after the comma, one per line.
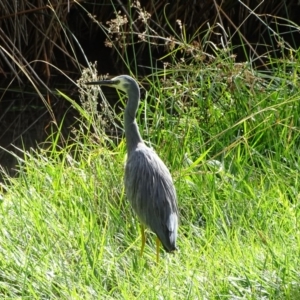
(132,133)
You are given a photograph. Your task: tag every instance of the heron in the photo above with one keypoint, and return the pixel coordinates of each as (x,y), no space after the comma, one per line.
(148,183)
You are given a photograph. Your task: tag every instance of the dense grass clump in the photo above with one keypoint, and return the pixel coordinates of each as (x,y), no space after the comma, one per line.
(68,232)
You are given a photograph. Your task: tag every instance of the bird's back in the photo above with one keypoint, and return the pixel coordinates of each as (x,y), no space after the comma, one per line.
(150,190)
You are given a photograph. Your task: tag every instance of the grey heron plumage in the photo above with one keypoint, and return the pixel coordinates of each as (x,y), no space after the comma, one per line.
(148,183)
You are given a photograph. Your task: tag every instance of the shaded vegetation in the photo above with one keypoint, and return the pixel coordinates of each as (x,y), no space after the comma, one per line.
(45,45)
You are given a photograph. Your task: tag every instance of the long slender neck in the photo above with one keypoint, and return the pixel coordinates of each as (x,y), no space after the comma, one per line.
(132,133)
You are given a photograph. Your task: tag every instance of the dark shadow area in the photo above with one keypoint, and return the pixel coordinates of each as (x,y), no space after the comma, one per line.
(25,121)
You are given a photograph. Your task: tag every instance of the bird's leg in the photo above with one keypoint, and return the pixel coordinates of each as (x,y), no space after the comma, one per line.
(143,238)
(157,249)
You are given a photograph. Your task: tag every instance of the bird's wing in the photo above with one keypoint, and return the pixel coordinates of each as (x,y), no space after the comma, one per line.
(150,190)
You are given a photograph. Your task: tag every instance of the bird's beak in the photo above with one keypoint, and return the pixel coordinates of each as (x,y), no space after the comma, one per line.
(103,82)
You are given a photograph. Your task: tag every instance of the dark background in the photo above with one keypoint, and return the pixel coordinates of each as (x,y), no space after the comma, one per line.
(45,47)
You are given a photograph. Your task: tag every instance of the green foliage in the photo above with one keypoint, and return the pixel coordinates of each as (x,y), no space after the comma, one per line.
(230,136)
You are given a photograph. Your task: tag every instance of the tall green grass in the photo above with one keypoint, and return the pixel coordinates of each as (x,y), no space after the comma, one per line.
(230,136)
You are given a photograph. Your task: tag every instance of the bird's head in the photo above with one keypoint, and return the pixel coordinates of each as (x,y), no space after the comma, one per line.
(124,83)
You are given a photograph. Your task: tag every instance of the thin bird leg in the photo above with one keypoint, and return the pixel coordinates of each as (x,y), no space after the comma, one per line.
(157,249)
(143,238)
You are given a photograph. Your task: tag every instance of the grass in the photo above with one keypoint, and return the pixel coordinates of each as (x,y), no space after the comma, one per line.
(67,230)
(230,136)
